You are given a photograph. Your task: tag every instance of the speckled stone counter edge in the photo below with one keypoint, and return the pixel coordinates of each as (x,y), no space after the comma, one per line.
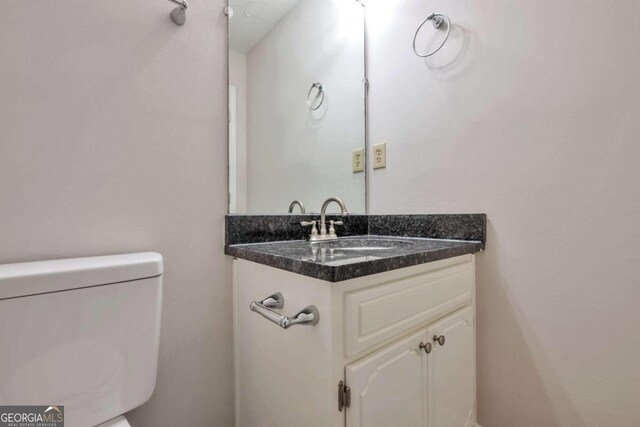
(350,271)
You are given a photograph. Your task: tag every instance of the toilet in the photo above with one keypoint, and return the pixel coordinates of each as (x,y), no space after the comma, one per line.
(81,333)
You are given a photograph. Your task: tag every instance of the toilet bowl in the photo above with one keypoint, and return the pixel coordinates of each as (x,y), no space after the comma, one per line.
(83,335)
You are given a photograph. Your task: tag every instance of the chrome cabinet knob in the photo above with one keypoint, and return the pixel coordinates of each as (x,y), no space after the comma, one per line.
(426,347)
(439,339)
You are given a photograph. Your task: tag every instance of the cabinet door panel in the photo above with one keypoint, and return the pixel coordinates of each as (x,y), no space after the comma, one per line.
(389,388)
(452,372)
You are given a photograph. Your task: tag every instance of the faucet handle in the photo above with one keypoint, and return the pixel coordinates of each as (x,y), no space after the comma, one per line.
(332,230)
(312,224)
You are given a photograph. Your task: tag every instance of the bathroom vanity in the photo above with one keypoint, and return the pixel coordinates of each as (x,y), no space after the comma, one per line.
(391,343)
(341,318)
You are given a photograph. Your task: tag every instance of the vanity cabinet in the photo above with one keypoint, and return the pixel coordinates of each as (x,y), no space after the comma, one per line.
(390,387)
(390,349)
(416,381)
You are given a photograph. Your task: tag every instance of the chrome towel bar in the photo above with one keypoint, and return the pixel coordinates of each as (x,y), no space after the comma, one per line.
(307,316)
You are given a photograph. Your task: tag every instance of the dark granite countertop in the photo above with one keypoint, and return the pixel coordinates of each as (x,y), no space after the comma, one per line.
(351,257)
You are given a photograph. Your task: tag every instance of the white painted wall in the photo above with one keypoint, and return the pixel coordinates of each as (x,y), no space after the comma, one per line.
(113,140)
(535,123)
(292,152)
(238,159)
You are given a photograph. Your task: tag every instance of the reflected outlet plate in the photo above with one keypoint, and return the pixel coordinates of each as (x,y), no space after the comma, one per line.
(380,156)
(358,160)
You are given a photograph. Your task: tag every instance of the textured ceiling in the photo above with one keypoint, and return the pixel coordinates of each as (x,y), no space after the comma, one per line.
(253,19)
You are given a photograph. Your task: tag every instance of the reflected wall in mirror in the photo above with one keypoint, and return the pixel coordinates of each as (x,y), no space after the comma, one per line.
(296,104)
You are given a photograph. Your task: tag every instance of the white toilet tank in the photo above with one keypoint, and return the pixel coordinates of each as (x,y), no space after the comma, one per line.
(82,333)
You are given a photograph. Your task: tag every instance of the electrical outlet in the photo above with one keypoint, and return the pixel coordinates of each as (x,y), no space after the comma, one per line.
(358,160)
(380,156)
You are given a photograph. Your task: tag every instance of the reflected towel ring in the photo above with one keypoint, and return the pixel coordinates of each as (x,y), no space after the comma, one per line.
(438,19)
(320,92)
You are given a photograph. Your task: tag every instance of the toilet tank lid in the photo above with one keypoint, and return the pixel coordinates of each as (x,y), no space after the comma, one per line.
(32,278)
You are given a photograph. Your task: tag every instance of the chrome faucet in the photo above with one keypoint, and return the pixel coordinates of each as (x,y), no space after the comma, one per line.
(331,234)
(293,205)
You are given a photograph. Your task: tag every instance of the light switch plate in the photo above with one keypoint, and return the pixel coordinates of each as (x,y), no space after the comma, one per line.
(358,160)
(380,156)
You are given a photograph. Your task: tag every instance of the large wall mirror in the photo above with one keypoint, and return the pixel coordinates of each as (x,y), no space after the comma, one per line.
(296,104)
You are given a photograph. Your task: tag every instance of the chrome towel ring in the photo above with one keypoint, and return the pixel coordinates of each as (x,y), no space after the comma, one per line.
(179,15)
(320,93)
(438,19)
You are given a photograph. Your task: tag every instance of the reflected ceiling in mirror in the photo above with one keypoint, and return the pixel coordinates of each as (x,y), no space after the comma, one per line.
(296,104)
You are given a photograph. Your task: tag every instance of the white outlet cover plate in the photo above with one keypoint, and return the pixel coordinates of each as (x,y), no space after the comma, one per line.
(358,160)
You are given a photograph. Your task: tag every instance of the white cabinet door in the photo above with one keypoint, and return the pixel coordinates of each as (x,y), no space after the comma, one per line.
(389,388)
(452,372)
